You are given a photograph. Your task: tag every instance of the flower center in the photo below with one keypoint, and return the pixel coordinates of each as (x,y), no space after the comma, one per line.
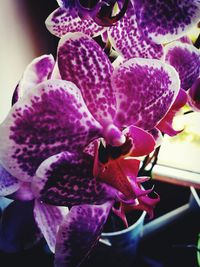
(113,136)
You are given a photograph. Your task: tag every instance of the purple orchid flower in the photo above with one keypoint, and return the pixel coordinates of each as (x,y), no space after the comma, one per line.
(41,219)
(185,58)
(74,135)
(142,30)
(101,11)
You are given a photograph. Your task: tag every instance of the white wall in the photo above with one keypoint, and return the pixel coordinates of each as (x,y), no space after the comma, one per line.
(16,50)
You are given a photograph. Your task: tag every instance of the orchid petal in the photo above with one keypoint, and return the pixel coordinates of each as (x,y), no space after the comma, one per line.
(115,174)
(51,118)
(144,203)
(8,183)
(194,95)
(82,61)
(65,20)
(157,135)
(18,230)
(185,59)
(129,41)
(48,219)
(165,125)
(36,72)
(66,179)
(79,232)
(143,142)
(165,21)
(145,90)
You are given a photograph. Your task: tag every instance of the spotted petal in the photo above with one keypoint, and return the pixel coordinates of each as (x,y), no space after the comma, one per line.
(48,219)
(165,21)
(82,61)
(36,72)
(8,183)
(185,58)
(65,20)
(79,232)
(66,179)
(49,119)
(145,90)
(129,41)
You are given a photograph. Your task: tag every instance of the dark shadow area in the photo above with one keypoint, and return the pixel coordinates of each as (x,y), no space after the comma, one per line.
(171,246)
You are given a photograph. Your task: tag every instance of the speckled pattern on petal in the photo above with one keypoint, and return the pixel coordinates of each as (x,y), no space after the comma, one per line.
(8,183)
(82,61)
(129,41)
(48,219)
(185,58)
(65,20)
(164,20)
(36,72)
(67,179)
(145,90)
(79,232)
(49,119)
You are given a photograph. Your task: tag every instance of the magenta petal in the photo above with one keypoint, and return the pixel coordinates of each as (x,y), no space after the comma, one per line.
(185,58)
(48,219)
(82,61)
(165,21)
(194,95)
(49,119)
(79,232)
(65,20)
(129,41)
(66,179)
(36,72)
(18,230)
(8,183)
(145,90)
(143,142)
(165,125)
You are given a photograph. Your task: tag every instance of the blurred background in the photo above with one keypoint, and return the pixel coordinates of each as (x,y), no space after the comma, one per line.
(23,37)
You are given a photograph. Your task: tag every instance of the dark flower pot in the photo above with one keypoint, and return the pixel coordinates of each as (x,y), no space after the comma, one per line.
(118,248)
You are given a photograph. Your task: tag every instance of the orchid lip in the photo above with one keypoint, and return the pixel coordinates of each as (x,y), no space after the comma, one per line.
(113,135)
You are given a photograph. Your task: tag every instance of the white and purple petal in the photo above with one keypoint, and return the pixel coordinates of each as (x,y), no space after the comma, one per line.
(166,21)
(36,72)
(66,179)
(79,233)
(145,90)
(65,20)
(8,183)
(185,58)
(129,41)
(48,219)
(49,119)
(82,61)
